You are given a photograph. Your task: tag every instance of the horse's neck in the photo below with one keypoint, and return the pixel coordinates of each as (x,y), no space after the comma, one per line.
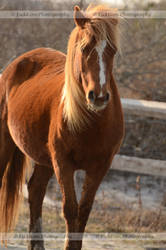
(114,90)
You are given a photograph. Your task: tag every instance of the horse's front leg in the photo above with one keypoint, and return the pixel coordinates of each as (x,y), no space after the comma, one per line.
(37,188)
(65,177)
(92,181)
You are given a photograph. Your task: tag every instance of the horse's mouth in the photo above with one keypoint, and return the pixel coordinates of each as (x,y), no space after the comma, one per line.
(96,108)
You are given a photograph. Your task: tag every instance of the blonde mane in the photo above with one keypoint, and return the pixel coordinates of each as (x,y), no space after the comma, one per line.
(103,26)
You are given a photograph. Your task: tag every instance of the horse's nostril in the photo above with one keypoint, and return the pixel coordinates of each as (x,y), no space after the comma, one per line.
(107,96)
(91,95)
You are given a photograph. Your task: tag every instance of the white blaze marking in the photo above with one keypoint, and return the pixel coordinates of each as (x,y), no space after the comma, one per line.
(100,50)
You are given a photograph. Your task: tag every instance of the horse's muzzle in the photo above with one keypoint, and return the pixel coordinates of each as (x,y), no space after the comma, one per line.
(97,102)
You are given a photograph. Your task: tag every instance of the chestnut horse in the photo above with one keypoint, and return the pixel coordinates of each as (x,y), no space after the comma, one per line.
(62,112)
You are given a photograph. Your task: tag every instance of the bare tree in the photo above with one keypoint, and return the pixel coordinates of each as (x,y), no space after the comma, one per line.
(140,70)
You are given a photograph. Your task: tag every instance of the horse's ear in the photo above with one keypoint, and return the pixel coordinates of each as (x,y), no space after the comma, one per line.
(79,17)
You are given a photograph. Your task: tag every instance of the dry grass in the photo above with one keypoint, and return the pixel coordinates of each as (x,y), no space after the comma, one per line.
(127,221)
(107,215)
(102,219)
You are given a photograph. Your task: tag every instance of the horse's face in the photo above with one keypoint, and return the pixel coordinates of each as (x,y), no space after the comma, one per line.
(94,63)
(96,66)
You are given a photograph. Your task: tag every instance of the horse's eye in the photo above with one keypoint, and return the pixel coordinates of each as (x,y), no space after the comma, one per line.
(88,47)
(93,39)
(85,50)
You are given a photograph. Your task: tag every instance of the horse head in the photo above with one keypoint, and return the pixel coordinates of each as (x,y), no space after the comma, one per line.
(91,49)
(93,60)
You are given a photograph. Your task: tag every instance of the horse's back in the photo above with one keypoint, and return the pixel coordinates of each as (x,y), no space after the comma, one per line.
(47,61)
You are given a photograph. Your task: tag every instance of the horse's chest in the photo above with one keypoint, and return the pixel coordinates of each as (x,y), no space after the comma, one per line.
(93,146)
(88,150)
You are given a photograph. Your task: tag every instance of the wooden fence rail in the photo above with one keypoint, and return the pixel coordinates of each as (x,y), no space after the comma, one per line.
(144,108)
(139,165)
